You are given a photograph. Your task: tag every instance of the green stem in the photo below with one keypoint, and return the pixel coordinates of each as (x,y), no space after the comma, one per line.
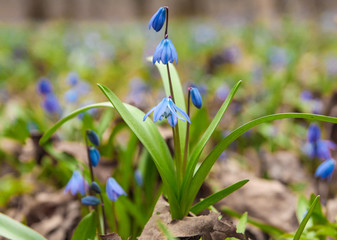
(187,132)
(89,161)
(103,212)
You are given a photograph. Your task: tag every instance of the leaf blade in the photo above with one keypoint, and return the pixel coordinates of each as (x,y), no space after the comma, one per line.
(86,229)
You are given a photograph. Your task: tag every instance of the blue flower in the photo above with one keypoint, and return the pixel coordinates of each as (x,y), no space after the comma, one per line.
(94,156)
(114,190)
(90,201)
(51,104)
(165,52)
(196,97)
(76,184)
(325,170)
(92,135)
(158,19)
(71,96)
(44,86)
(166,108)
(72,78)
(320,149)
(314,133)
(95,187)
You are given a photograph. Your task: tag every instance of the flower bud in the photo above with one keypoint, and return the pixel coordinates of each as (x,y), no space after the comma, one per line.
(90,201)
(95,187)
(92,135)
(158,19)
(196,97)
(94,156)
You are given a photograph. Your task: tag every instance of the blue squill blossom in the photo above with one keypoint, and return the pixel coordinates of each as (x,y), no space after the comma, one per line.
(314,133)
(94,156)
(196,97)
(114,190)
(158,19)
(167,109)
(320,149)
(165,52)
(76,184)
(44,86)
(326,169)
(51,104)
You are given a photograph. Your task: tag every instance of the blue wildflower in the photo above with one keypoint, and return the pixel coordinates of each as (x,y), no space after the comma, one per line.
(72,78)
(320,149)
(90,201)
(76,184)
(165,52)
(158,19)
(94,156)
(306,95)
(166,108)
(51,104)
(92,135)
(71,96)
(314,133)
(114,190)
(44,86)
(196,97)
(325,170)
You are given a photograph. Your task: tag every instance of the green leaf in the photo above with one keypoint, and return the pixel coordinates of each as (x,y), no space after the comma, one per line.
(207,164)
(305,219)
(204,139)
(302,207)
(11,229)
(148,134)
(241,227)
(178,92)
(86,229)
(216,197)
(53,129)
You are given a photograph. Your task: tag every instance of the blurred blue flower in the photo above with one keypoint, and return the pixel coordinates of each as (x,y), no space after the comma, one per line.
(196,97)
(44,86)
(92,135)
(139,178)
(306,95)
(90,201)
(72,78)
(166,108)
(314,133)
(320,149)
(51,104)
(165,52)
(222,92)
(94,156)
(278,57)
(114,190)
(76,184)
(71,96)
(158,19)
(325,170)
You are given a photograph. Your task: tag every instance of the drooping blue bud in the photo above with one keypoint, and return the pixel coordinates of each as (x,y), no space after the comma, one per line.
(326,169)
(314,133)
(165,52)
(94,156)
(196,97)
(95,187)
(139,178)
(114,190)
(76,184)
(158,19)
(90,201)
(44,86)
(93,137)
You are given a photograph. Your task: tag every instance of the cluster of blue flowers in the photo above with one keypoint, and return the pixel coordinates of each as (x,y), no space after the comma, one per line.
(50,102)
(316,147)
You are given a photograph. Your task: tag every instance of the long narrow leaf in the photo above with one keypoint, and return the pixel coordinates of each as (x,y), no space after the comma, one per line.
(11,229)
(86,229)
(204,139)
(305,220)
(150,137)
(53,129)
(207,164)
(216,197)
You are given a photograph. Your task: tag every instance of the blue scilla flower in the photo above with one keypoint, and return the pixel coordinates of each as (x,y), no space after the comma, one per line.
(166,108)
(165,52)
(320,149)
(314,133)
(196,97)
(71,96)
(76,184)
(94,156)
(90,201)
(51,104)
(158,19)
(325,170)
(114,190)
(72,78)
(44,86)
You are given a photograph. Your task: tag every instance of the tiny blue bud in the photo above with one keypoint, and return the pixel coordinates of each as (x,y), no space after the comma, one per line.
(90,201)
(94,156)
(93,137)
(158,19)
(44,86)
(95,187)
(325,170)
(196,97)
(314,133)
(139,178)
(114,190)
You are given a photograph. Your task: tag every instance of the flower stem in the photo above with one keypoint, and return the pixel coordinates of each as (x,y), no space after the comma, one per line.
(187,131)
(89,161)
(167,18)
(103,212)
